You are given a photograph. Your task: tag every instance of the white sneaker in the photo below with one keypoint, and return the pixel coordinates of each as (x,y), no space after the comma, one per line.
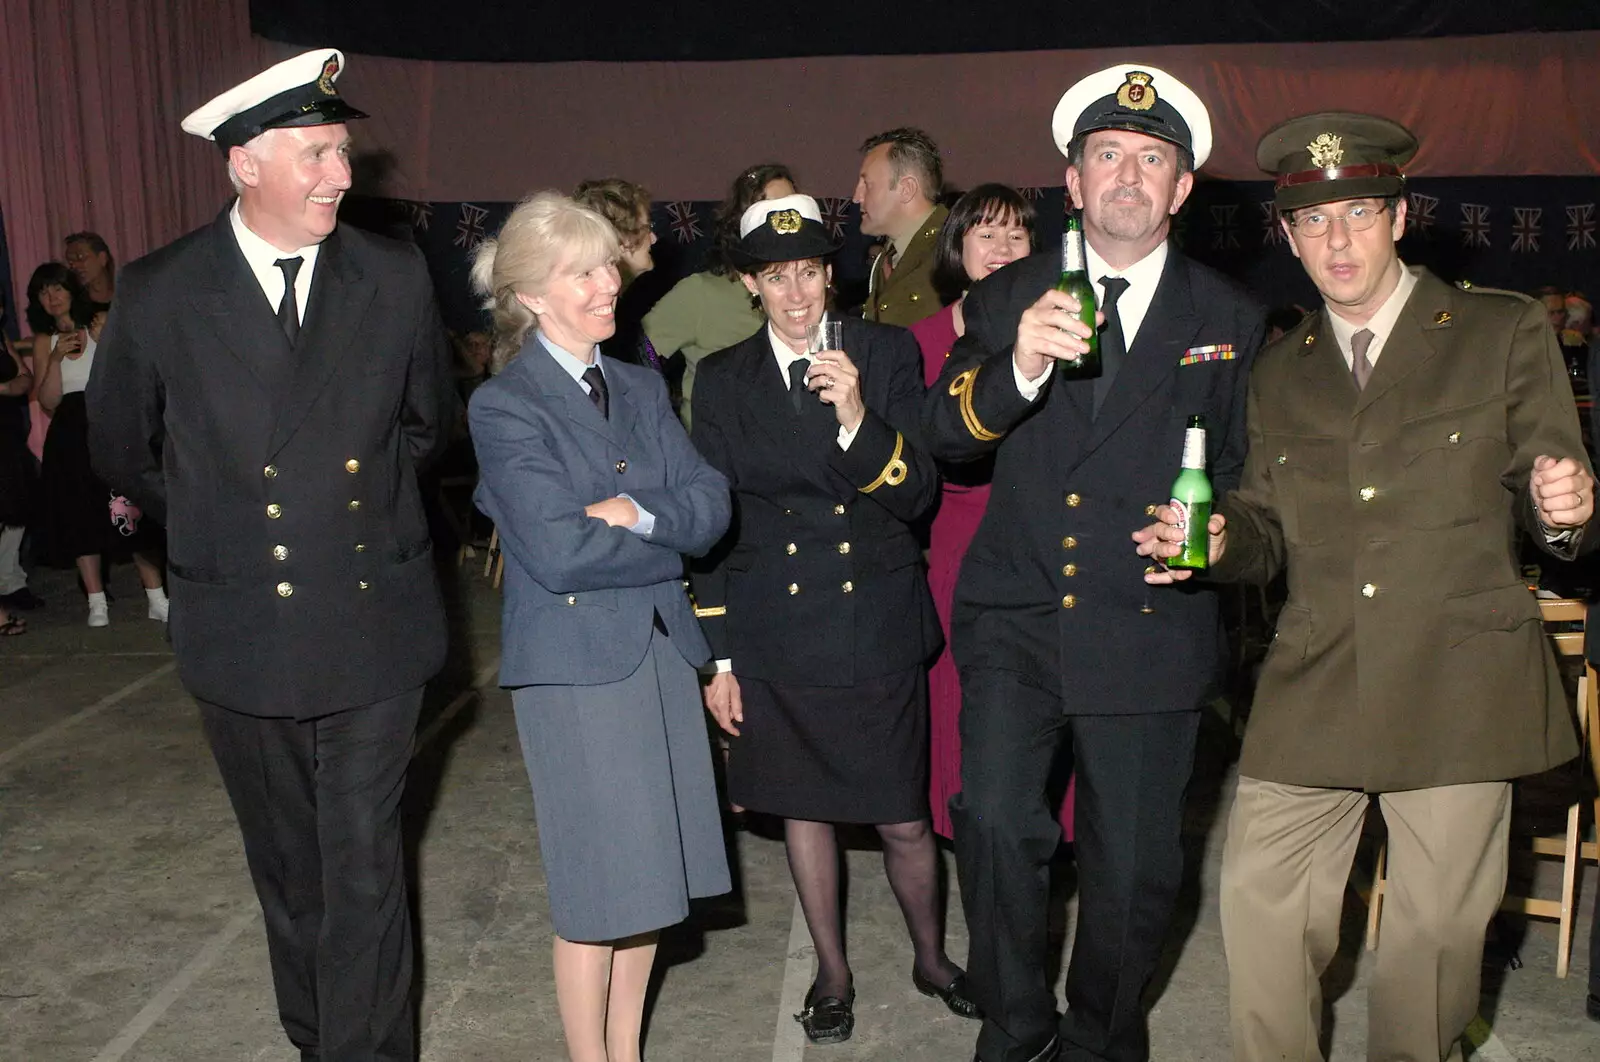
(158,609)
(99,615)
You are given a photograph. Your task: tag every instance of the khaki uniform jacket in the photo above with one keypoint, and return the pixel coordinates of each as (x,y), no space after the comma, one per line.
(1410,652)
(907,296)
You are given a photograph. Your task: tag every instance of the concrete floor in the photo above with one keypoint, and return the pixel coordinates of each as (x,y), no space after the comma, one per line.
(128,929)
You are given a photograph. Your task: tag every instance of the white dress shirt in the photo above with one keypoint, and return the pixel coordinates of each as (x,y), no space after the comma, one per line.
(1143,277)
(575,367)
(259,256)
(1382,322)
(787,357)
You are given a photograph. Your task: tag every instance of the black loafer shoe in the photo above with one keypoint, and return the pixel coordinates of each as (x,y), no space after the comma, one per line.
(828,1020)
(953,995)
(1591,1007)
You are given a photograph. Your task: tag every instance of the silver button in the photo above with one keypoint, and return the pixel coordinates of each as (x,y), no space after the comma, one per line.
(274,511)
(838,510)
(1283,459)
(280,552)
(791,549)
(363,584)
(353,506)
(271,471)
(1368,493)
(361,547)
(848,587)
(285,589)
(622,466)
(844,547)
(572,599)
(794,588)
(1369,590)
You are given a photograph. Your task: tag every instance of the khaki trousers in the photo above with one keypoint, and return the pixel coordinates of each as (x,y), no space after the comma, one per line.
(1284,869)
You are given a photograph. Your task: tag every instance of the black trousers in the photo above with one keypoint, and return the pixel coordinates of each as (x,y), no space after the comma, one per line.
(1132,771)
(318,803)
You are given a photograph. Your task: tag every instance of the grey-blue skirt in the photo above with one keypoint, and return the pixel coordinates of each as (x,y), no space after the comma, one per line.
(629,827)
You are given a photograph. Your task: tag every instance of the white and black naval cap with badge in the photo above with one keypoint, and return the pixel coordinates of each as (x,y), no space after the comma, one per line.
(296,92)
(1138,97)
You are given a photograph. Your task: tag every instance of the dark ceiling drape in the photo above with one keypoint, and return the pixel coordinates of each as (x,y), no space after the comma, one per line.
(716,30)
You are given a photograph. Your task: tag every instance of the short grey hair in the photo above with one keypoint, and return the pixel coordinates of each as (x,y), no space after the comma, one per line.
(260,146)
(545,233)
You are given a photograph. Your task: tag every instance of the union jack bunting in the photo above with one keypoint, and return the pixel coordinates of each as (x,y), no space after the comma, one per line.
(1525,229)
(1474,225)
(1580,227)
(835,215)
(684,222)
(469,225)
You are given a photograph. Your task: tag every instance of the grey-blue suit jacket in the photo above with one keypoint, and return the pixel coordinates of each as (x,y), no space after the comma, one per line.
(581,596)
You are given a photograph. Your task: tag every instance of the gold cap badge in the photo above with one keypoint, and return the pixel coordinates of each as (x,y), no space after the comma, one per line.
(785,221)
(330,70)
(1136,93)
(1326,150)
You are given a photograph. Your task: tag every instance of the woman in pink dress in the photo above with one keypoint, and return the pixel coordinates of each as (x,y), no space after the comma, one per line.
(989,227)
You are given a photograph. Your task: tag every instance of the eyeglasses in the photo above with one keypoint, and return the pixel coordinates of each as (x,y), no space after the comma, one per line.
(1359,218)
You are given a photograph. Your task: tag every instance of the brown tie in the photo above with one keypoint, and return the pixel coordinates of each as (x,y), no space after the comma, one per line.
(888,261)
(1359,365)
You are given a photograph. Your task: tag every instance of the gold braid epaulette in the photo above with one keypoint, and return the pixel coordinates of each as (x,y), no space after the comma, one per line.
(894,473)
(961,389)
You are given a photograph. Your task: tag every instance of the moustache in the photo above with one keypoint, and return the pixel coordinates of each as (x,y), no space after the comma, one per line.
(1126,195)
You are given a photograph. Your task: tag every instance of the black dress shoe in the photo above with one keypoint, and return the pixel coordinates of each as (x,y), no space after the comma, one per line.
(828,1020)
(1591,1007)
(953,995)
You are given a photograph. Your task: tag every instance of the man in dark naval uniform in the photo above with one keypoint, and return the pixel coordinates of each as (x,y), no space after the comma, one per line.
(267,388)
(1054,631)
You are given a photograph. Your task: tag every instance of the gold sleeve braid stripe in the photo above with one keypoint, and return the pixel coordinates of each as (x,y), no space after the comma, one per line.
(961,389)
(894,473)
(710,613)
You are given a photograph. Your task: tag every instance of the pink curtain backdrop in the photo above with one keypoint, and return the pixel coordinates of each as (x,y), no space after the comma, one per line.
(92,91)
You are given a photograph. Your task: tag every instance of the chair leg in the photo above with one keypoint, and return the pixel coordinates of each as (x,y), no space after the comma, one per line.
(499,568)
(1569,875)
(1375,901)
(492,552)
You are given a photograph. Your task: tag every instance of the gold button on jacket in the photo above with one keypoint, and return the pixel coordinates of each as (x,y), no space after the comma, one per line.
(271,471)
(1073,501)
(280,552)
(352,466)
(353,506)
(285,589)
(274,511)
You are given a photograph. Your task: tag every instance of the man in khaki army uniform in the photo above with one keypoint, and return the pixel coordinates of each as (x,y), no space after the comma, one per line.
(1398,441)
(901,177)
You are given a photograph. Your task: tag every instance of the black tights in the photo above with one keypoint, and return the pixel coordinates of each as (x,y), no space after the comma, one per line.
(911,861)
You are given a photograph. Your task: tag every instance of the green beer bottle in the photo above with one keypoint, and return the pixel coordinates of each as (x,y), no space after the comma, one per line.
(1191,498)
(1075,282)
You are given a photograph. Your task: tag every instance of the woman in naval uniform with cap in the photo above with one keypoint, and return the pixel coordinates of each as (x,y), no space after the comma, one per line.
(815,603)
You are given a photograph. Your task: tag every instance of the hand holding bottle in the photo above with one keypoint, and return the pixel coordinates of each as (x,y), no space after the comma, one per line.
(1165,538)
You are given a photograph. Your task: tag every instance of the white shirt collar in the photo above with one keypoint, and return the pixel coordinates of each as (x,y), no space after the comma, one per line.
(1143,277)
(784,355)
(570,363)
(259,256)
(1382,323)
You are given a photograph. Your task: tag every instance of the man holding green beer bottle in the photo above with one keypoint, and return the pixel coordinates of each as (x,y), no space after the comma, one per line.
(1399,440)
(1053,628)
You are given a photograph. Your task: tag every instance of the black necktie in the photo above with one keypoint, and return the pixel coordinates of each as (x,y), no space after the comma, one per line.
(288,307)
(597,390)
(1112,346)
(797,383)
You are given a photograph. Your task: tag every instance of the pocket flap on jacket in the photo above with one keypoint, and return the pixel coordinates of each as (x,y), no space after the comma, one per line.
(1502,608)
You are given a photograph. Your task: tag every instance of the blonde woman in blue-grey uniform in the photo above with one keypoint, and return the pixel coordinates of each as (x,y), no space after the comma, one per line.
(597,495)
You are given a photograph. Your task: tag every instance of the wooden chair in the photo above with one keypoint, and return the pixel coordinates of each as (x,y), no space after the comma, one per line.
(493,560)
(1569,846)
